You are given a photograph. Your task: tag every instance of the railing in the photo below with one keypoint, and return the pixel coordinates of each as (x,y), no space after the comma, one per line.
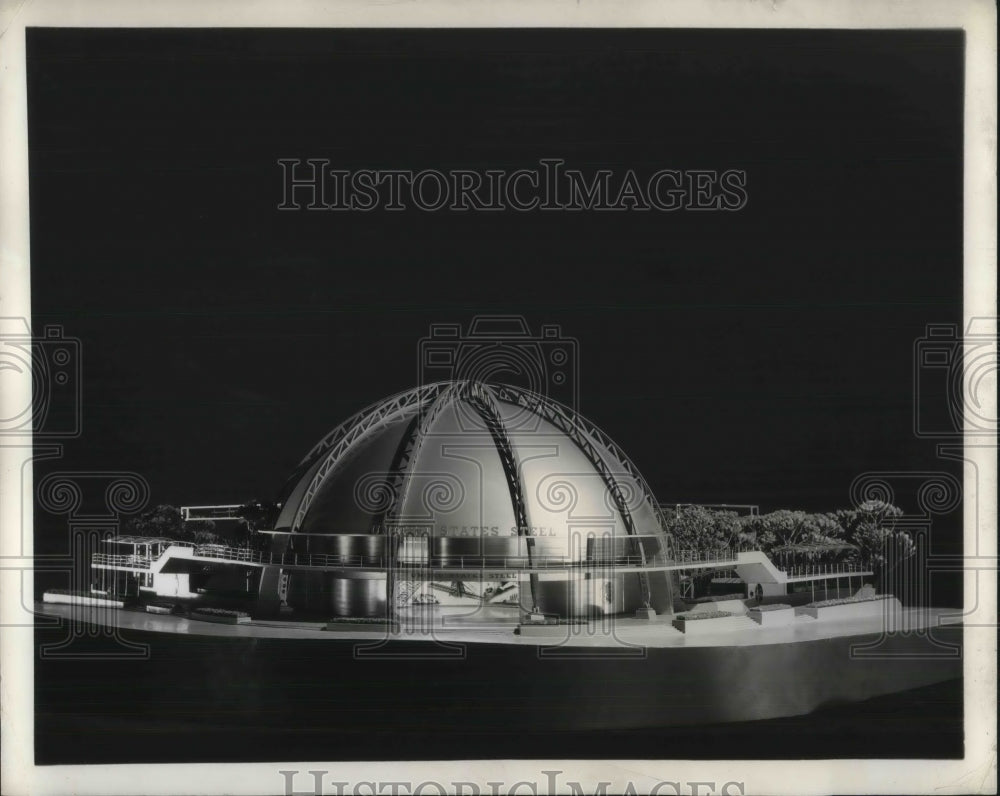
(725,554)
(232,554)
(244,555)
(326,560)
(321,560)
(135,562)
(524,562)
(812,570)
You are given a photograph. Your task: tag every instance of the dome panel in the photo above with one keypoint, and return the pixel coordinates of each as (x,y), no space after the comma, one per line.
(353,498)
(456,485)
(566,497)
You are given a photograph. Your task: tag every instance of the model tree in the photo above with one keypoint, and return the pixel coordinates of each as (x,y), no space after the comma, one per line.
(165,521)
(873,528)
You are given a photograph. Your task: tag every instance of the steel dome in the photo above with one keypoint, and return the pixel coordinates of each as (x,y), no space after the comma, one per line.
(481,475)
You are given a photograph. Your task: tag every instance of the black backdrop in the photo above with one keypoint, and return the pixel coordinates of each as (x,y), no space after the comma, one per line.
(763,356)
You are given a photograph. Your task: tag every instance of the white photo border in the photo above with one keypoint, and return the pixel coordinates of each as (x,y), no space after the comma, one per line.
(976,773)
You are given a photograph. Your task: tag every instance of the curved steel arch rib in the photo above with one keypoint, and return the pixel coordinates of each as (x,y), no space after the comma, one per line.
(482,401)
(334,436)
(330,439)
(407,454)
(584,433)
(481,398)
(384,414)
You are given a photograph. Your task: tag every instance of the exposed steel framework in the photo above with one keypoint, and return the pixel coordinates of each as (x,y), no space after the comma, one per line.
(339,442)
(582,432)
(423,405)
(481,398)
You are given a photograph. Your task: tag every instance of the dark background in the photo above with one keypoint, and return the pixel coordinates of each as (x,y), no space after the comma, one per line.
(763,356)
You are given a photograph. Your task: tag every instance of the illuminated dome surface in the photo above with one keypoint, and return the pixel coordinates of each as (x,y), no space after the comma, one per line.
(476,469)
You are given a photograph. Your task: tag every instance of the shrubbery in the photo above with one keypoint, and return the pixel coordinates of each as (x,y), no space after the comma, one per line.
(704,615)
(166,521)
(866,535)
(849,600)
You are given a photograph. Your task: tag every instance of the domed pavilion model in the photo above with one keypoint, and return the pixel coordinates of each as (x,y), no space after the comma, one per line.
(492,487)
(510,524)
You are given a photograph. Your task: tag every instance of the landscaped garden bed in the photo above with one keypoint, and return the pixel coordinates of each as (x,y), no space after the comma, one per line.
(850,600)
(716,598)
(733,603)
(708,621)
(850,607)
(221,615)
(771,607)
(700,615)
